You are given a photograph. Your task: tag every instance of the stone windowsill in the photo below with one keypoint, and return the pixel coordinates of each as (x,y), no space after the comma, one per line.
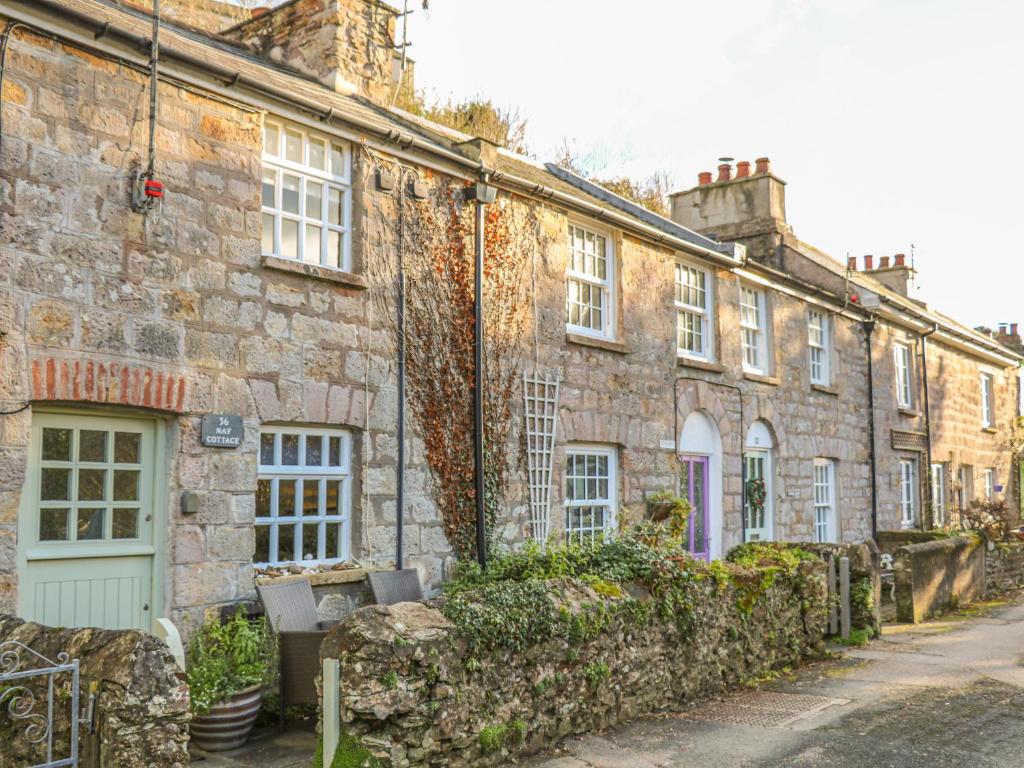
(701,365)
(347,279)
(587,341)
(990,430)
(825,390)
(347,576)
(761,378)
(910,412)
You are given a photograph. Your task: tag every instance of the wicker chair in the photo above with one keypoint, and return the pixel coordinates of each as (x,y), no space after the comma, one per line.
(291,611)
(390,587)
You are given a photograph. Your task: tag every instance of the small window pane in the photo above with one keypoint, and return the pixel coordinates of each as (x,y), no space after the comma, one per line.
(267,243)
(334,249)
(286,543)
(126,485)
(314,450)
(263,498)
(55,484)
(289,238)
(262,553)
(267,449)
(90,524)
(334,198)
(337,160)
(290,193)
(290,450)
(335,451)
(286,498)
(269,182)
(293,146)
(314,200)
(56,444)
(91,484)
(53,524)
(126,447)
(271,140)
(311,254)
(333,541)
(317,154)
(92,445)
(126,524)
(331,508)
(310,535)
(311,497)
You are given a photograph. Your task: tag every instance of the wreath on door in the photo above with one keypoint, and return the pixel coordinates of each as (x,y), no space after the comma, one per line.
(757,495)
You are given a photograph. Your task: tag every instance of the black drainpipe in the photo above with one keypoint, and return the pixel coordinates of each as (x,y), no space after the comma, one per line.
(869,327)
(927,423)
(478,381)
(743,460)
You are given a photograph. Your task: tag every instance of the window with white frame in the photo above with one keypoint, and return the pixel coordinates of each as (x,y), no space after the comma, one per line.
(819,341)
(939,494)
(307,196)
(987,400)
(303,495)
(966,481)
(591,492)
(990,484)
(590,292)
(753,329)
(694,312)
(901,358)
(825,500)
(908,492)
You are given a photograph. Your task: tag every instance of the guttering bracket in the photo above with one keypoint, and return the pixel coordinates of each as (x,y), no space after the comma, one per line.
(102,31)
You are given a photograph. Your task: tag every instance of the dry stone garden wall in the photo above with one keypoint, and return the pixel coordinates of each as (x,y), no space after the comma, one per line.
(435,684)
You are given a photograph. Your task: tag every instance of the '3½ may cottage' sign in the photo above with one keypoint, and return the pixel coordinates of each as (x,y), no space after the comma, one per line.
(222,431)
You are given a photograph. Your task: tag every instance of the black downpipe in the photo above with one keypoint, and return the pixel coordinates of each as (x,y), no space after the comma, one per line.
(478,384)
(927,426)
(154,58)
(869,327)
(400,479)
(743,458)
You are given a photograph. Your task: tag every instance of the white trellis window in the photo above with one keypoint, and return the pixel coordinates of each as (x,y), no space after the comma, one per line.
(819,341)
(307,196)
(590,294)
(591,496)
(987,419)
(303,495)
(904,393)
(753,329)
(989,478)
(694,312)
(939,494)
(824,500)
(908,493)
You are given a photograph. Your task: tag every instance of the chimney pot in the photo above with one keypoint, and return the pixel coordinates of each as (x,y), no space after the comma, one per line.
(883,262)
(704,177)
(724,172)
(742,169)
(851,263)
(869,262)
(900,259)
(258,11)
(1013,329)
(763,166)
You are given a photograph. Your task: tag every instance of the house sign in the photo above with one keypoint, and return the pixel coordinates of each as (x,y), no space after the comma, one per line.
(222,431)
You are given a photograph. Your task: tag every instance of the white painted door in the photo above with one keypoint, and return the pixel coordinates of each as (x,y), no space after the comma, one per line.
(759,519)
(85,534)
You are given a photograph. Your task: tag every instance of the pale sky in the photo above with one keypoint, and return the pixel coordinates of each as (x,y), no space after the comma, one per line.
(893,121)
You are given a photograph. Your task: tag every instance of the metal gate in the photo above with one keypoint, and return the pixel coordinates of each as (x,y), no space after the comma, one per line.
(29,698)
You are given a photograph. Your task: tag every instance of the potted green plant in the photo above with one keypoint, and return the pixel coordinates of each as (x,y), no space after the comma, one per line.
(672,511)
(229,664)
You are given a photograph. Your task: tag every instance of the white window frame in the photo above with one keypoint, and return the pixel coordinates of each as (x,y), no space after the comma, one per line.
(694,318)
(754,329)
(939,495)
(609,502)
(908,493)
(819,347)
(606,286)
(987,382)
(965,476)
(329,178)
(825,500)
(904,368)
(302,473)
(989,479)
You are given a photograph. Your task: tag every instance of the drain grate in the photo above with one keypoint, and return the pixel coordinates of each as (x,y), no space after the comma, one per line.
(765,709)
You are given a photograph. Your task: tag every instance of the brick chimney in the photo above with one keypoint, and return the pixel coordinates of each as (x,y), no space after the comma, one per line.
(348,45)
(1009,335)
(895,277)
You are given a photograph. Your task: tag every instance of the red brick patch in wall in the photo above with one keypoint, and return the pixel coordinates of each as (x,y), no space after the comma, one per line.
(104,382)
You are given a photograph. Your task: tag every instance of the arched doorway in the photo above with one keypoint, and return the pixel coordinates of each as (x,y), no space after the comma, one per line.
(759,466)
(700,481)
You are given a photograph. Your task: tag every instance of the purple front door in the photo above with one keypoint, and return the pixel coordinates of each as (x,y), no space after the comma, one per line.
(693,482)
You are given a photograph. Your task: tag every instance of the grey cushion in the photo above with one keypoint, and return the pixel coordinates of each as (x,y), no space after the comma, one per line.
(390,587)
(290,606)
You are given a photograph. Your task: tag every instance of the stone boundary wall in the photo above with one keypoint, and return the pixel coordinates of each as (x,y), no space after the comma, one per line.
(935,576)
(414,694)
(1004,566)
(142,705)
(890,541)
(865,581)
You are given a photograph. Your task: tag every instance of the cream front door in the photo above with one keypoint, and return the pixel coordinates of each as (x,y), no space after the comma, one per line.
(85,533)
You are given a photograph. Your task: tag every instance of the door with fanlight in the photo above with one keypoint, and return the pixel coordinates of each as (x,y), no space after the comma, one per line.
(693,486)
(86,528)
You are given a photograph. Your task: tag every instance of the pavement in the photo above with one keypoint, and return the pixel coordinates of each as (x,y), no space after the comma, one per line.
(945,694)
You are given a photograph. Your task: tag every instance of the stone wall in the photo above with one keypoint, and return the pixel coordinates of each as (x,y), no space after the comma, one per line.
(414,692)
(1004,566)
(865,581)
(141,708)
(936,576)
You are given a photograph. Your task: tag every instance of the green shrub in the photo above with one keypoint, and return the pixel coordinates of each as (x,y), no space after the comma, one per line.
(349,754)
(225,658)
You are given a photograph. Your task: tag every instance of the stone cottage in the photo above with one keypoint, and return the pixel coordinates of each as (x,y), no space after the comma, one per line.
(197,385)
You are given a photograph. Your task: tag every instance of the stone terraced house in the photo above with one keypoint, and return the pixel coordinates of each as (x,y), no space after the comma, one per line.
(195,391)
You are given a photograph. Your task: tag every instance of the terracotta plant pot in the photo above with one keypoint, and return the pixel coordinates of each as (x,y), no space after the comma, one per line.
(228,723)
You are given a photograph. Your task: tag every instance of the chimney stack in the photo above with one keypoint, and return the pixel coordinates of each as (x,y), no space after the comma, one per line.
(704,177)
(724,172)
(743,169)
(883,262)
(851,263)
(763,166)
(900,260)
(869,262)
